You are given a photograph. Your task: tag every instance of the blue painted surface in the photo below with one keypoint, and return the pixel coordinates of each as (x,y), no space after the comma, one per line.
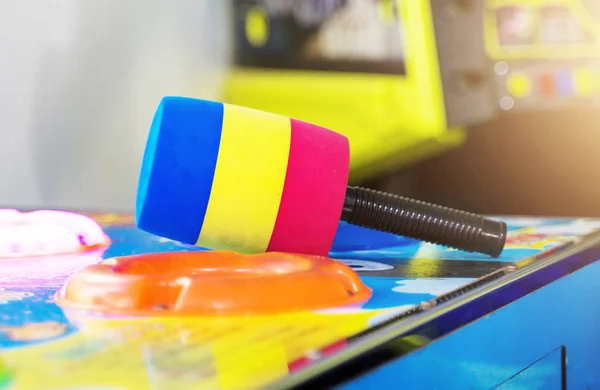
(354,238)
(492,350)
(389,292)
(546,373)
(36,309)
(127,240)
(353,242)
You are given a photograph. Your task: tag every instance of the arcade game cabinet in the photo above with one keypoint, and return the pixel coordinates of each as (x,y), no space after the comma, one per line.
(371,70)
(405,79)
(546,53)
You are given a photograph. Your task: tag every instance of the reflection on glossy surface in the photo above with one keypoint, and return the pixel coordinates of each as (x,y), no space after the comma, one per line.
(226,353)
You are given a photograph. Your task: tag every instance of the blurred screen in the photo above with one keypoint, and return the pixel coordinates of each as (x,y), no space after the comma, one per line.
(329,35)
(550,24)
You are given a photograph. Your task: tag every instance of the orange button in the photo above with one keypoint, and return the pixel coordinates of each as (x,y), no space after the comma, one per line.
(213,283)
(547,84)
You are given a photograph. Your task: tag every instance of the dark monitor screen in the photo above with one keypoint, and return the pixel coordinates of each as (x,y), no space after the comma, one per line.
(363,36)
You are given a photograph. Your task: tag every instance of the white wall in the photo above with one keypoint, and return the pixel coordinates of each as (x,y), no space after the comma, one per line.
(79,82)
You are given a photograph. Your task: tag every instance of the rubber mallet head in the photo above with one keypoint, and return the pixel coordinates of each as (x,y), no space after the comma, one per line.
(227,177)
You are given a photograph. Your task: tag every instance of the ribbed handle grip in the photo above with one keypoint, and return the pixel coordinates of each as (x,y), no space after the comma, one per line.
(424,221)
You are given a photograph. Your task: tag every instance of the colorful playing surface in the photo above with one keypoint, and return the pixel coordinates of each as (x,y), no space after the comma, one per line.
(46,347)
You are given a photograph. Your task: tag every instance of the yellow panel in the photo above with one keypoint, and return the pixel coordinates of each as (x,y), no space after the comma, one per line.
(427,149)
(248,181)
(383,116)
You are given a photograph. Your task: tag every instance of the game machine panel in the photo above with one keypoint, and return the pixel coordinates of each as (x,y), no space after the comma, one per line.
(108,301)
(74,305)
(381,72)
(546,53)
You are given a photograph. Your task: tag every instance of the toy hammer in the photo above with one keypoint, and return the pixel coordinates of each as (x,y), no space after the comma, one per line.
(227,177)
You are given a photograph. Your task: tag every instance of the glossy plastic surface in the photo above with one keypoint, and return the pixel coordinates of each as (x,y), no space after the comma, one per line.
(47,233)
(45,244)
(213,283)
